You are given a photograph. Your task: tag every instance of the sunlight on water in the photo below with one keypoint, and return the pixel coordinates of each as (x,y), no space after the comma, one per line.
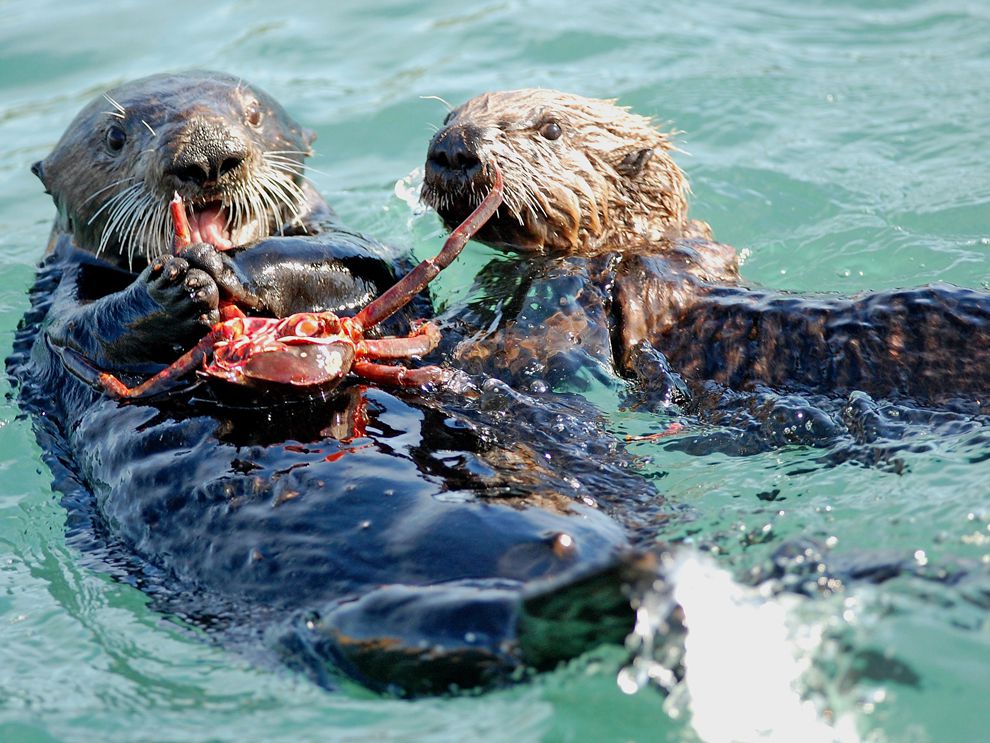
(744,660)
(741,673)
(842,146)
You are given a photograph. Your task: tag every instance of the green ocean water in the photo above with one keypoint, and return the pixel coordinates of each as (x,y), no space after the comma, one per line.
(842,144)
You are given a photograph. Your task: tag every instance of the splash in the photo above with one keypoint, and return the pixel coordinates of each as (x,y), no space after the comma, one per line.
(738,676)
(407,190)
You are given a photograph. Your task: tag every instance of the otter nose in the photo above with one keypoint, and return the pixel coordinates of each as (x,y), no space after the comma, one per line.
(209,153)
(454,149)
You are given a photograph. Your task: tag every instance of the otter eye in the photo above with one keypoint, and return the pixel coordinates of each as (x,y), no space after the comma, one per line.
(253,114)
(448,118)
(551,130)
(115,138)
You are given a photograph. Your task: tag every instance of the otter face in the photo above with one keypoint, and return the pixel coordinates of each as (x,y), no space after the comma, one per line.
(581,174)
(229,149)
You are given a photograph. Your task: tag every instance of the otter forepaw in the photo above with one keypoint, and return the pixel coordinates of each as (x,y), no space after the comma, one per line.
(184,292)
(203,256)
(223,271)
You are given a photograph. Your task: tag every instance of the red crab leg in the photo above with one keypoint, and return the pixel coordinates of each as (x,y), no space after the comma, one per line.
(416,280)
(183,233)
(423,340)
(400,376)
(161,382)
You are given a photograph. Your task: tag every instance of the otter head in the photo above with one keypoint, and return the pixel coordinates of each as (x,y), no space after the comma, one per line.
(228,148)
(581,175)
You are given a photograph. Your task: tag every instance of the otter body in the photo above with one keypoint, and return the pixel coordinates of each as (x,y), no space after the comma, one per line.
(396,541)
(929,345)
(591,189)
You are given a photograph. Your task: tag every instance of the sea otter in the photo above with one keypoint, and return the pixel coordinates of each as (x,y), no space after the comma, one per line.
(415,543)
(237,158)
(598,207)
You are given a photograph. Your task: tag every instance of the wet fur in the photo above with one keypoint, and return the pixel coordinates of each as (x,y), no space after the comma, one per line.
(397,540)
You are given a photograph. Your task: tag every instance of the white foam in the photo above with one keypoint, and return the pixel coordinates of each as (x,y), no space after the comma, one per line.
(745,654)
(407,191)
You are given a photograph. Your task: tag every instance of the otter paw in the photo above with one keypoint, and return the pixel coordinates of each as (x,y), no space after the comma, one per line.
(206,258)
(223,271)
(185,293)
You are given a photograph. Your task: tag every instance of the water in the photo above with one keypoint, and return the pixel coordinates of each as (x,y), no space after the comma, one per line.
(841,144)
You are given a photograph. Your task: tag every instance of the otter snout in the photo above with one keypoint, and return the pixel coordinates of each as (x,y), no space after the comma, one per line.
(205,153)
(454,156)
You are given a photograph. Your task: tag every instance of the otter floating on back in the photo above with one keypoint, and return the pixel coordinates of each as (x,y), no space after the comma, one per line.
(591,188)
(237,159)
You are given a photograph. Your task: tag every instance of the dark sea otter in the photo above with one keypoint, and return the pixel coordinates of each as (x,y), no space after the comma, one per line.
(599,209)
(415,542)
(236,158)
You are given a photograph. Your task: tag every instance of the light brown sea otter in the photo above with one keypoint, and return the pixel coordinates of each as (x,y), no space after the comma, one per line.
(593,193)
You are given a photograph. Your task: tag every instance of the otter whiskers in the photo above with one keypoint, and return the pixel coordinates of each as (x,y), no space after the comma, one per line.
(138,221)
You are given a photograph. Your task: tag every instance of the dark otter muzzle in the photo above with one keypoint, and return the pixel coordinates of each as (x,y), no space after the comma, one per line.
(453,158)
(209,152)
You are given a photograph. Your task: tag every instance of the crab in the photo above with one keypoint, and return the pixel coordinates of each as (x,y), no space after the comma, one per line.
(314,349)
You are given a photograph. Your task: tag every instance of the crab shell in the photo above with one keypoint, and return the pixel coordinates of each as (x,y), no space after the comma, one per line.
(301,350)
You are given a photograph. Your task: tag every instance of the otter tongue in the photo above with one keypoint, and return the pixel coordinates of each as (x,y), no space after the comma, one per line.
(209,225)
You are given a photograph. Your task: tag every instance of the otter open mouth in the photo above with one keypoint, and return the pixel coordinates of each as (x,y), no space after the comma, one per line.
(208,223)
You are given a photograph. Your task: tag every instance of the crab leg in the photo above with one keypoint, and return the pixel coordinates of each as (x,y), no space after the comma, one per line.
(183,233)
(400,376)
(416,280)
(419,343)
(161,382)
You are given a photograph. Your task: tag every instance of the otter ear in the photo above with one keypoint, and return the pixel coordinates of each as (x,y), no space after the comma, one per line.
(39,170)
(633,163)
(309,136)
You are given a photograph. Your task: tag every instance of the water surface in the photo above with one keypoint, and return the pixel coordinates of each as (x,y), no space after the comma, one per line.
(841,144)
